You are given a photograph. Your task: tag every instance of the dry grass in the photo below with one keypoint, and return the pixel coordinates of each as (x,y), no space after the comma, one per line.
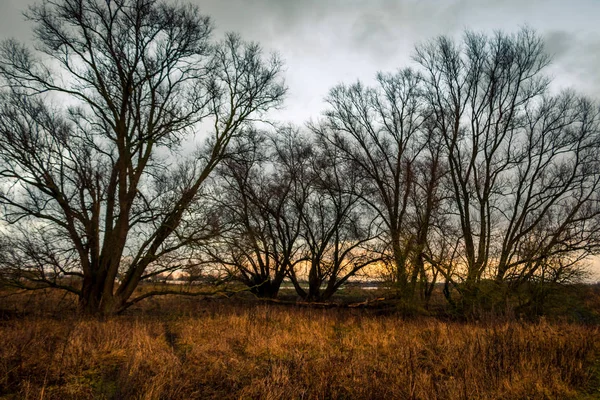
(225,350)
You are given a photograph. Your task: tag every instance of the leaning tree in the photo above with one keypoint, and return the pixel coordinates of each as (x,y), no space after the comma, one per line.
(99,189)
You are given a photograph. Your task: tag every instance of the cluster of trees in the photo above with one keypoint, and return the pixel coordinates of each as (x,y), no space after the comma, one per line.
(102,188)
(462,169)
(292,208)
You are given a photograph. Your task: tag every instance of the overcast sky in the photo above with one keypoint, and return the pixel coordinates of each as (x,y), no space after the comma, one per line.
(324,42)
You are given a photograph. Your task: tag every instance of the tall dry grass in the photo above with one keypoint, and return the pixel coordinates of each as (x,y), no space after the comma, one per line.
(220,350)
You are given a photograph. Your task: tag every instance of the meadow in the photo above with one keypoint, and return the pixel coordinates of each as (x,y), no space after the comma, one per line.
(236,348)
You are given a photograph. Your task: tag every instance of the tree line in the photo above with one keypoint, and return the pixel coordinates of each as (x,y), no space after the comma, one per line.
(464,169)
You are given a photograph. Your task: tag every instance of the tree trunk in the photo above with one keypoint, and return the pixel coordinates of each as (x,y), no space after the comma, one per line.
(94,301)
(314,284)
(402,282)
(90,296)
(266,287)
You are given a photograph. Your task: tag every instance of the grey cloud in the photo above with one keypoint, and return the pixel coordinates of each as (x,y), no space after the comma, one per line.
(326,36)
(559,43)
(382,27)
(12,22)
(327,41)
(582,61)
(575,59)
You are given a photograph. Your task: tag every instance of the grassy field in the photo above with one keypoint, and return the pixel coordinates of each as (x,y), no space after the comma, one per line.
(174,348)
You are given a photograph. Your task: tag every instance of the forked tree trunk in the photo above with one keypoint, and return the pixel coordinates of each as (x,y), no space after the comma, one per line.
(90,296)
(93,302)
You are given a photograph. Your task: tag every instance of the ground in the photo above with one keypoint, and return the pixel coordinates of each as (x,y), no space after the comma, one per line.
(239,348)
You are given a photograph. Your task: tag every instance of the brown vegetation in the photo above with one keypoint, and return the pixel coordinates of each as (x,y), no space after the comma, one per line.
(188,348)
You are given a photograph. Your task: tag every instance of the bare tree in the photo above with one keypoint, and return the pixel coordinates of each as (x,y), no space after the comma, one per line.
(91,188)
(261,191)
(340,234)
(380,132)
(427,217)
(522,163)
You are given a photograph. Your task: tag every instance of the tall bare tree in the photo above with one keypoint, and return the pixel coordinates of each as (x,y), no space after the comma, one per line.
(427,216)
(91,184)
(261,195)
(340,234)
(523,164)
(379,130)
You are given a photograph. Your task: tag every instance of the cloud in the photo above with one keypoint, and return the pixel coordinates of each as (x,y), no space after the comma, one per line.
(12,22)
(583,62)
(576,60)
(326,42)
(558,43)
